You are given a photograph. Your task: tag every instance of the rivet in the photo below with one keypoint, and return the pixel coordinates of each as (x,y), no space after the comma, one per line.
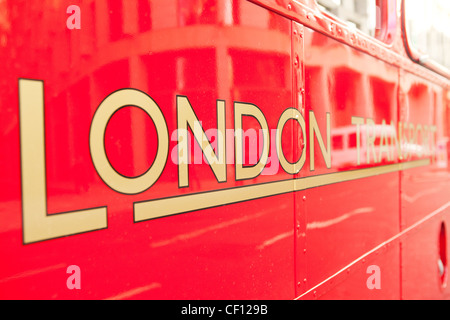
(296,61)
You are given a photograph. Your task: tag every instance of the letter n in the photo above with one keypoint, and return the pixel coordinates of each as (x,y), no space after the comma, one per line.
(314,131)
(186,117)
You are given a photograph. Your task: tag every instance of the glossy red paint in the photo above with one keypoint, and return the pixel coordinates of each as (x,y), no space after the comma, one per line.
(316,243)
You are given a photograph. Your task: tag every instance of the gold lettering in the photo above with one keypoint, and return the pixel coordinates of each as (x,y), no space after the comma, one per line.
(412,140)
(433,131)
(396,139)
(358,122)
(114,102)
(420,148)
(315,131)
(186,118)
(245,109)
(370,140)
(291,168)
(37,224)
(384,143)
(426,140)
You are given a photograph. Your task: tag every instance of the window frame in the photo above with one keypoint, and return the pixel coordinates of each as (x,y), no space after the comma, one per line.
(413,53)
(388,21)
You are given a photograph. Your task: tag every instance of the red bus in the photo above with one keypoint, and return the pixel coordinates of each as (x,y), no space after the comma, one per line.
(224,149)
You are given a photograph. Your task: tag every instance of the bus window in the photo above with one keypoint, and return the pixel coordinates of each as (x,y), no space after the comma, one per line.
(427,26)
(364,15)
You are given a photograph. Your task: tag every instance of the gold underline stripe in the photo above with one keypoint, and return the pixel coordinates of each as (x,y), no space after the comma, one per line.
(160,208)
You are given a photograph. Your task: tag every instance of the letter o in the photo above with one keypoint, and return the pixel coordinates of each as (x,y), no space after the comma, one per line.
(104,113)
(288,114)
